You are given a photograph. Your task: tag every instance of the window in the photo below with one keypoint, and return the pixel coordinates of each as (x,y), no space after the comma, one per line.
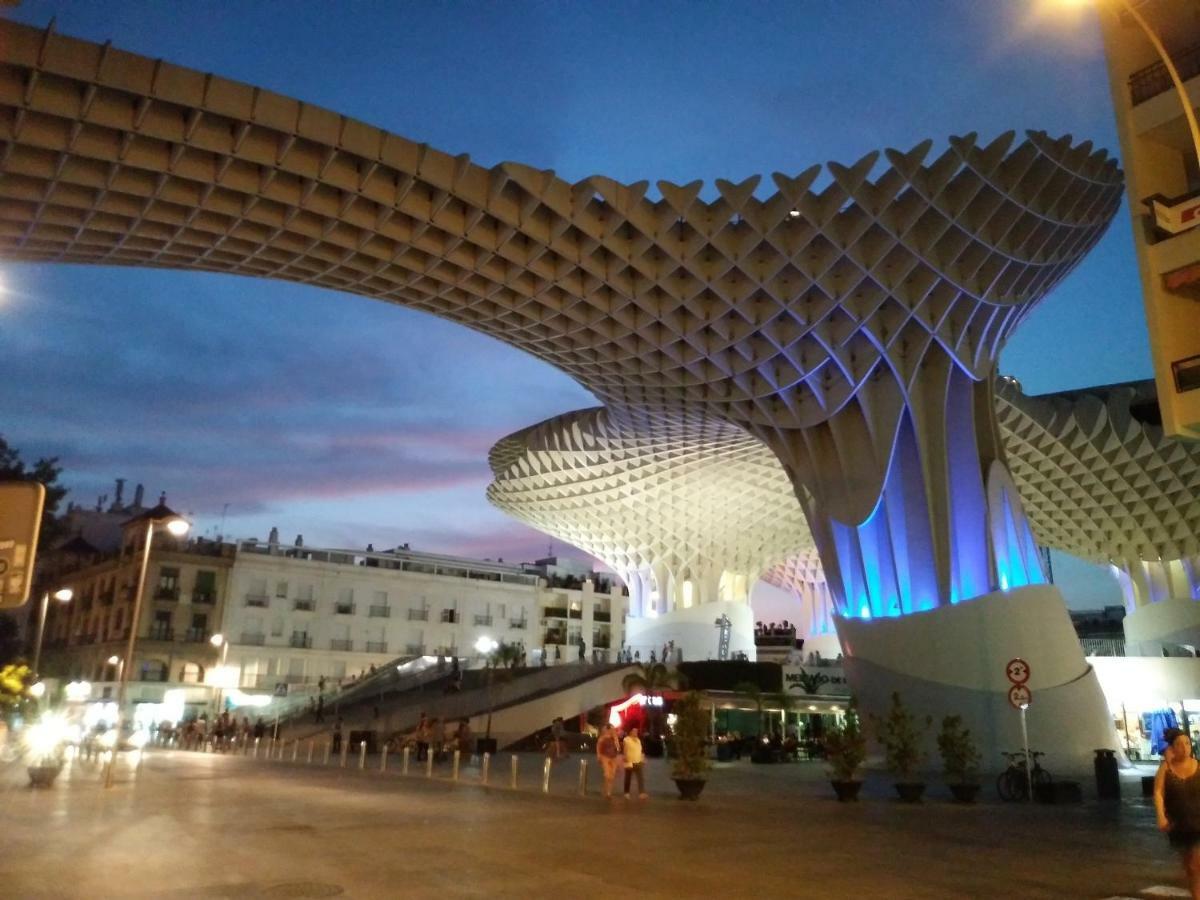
(168,584)
(304,592)
(200,621)
(277,627)
(281,589)
(345,602)
(205,588)
(191,673)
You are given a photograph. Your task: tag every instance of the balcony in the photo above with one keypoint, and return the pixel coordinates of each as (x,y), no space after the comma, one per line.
(253,639)
(301,640)
(207,598)
(337,644)
(343,609)
(196,635)
(518,623)
(160,632)
(555,612)
(554,637)
(418,615)
(1103,646)
(379,612)
(599,616)
(1154,79)
(170,594)
(449,616)
(484,620)
(260,600)
(377,646)
(304,605)
(414,649)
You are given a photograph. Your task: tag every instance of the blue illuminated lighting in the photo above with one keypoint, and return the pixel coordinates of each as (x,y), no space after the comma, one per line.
(866,611)
(1003,582)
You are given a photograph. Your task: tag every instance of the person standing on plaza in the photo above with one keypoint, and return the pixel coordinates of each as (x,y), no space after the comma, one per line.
(422,738)
(1177,802)
(337,737)
(635,762)
(608,753)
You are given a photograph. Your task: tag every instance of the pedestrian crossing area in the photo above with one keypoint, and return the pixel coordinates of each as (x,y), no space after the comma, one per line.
(1155,890)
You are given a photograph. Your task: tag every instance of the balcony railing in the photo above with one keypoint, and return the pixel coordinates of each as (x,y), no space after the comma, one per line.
(1155,79)
(377,646)
(304,641)
(259,600)
(166,593)
(379,612)
(418,615)
(338,644)
(484,620)
(204,597)
(414,649)
(253,639)
(162,632)
(1103,646)
(518,623)
(555,612)
(598,616)
(196,635)
(344,609)
(304,605)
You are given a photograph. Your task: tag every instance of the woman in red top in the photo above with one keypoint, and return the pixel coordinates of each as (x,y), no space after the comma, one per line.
(608,751)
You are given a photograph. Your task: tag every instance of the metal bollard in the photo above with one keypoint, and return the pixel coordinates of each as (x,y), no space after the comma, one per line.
(362,754)
(295,749)
(429,764)
(328,751)
(484,765)
(404,764)
(383,758)
(256,740)
(310,750)
(546,775)
(454,769)
(513,783)
(345,753)
(583,772)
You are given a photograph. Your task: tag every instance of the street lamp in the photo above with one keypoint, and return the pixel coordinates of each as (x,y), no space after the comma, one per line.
(1130,7)
(486,646)
(178,526)
(115,660)
(219,640)
(62,595)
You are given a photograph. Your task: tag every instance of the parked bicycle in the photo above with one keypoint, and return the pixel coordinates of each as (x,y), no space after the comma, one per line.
(1013,783)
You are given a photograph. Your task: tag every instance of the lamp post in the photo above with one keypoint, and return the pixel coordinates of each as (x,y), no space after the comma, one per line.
(486,646)
(219,640)
(62,595)
(151,519)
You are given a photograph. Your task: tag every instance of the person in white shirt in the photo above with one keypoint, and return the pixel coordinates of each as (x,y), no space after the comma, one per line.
(635,761)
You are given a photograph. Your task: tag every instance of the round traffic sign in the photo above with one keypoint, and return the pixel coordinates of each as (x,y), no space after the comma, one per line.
(1020,696)
(1017,670)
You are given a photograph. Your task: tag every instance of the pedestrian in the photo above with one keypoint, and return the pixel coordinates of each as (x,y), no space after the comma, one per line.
(1177,802)
(608,753)
(422,738)
(337,736)
(260,728)
(635,762)
(557,744)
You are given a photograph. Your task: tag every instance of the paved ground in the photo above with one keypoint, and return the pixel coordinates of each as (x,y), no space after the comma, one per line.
(192,825)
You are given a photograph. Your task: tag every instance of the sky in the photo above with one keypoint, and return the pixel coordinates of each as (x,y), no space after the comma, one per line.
(257,404)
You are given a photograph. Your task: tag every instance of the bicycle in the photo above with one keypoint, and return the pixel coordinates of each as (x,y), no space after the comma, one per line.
(1013,783)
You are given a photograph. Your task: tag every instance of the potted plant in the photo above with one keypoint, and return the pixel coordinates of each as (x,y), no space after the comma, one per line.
(901,734)
(845,750)
(960,759)
(44,741)
(689,765)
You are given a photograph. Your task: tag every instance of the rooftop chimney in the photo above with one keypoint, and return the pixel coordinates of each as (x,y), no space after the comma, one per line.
(273,537)
(139,494)
(299,540)
(119,495)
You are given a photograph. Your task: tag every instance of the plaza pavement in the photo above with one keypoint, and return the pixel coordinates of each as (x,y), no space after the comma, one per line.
(192,825)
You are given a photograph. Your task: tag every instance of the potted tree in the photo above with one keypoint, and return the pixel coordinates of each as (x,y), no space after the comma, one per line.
(845,750)
(960,759)
(689,740)
(901,733)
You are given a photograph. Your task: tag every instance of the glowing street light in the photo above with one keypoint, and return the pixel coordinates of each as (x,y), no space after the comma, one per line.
(62,595)
(486,645)
(160,515)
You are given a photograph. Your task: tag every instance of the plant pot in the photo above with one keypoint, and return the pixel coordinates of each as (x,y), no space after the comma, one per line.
(910,791)
(43,776)
(965,793)
(689,788)
(847,791)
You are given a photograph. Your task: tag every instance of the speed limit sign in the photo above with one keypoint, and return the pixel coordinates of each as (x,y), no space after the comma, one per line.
(1019,696)
(1017,671)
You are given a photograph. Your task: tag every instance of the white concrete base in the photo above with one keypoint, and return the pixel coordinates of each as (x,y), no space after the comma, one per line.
(1175,620)
(693,630)
(951,661)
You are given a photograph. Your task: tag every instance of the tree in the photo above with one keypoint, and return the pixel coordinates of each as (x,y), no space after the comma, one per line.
(45,471)
(754,693)
(652,679)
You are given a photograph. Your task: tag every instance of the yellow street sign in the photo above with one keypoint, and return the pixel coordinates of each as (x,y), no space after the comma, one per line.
(20,521)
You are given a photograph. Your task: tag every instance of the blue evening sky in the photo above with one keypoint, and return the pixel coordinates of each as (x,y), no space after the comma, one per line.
(351,421)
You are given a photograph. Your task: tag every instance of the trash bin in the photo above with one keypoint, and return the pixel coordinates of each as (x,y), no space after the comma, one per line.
(1108,780)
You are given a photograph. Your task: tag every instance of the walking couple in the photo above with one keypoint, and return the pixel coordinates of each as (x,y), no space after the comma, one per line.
(613,752)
